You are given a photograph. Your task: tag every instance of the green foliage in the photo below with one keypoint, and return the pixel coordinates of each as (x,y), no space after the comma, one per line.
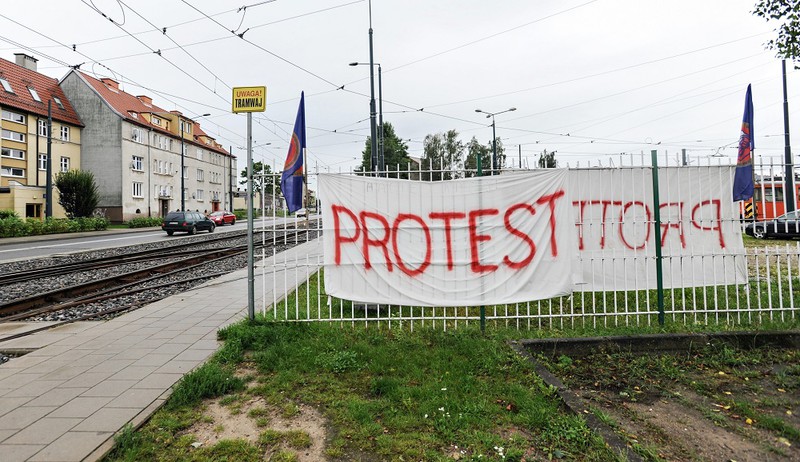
(8,214)
(548,159)
(78,193)
(145,222)
(15,227)
(785,13)
(442,153)
(395,154)
(476,151)
(270,178)
(208,381)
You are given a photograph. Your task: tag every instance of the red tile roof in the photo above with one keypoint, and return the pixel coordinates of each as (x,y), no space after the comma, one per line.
(21,79)
(126,103)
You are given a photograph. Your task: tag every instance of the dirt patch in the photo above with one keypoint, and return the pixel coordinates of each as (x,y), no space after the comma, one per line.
(716,404)
(249,418)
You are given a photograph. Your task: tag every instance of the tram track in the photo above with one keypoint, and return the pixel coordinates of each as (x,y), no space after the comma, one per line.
(111,294)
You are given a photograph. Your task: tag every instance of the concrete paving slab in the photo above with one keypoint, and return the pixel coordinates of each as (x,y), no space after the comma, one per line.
(106,374)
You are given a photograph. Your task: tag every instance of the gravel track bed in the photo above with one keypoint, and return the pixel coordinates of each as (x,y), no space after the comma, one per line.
(140,298)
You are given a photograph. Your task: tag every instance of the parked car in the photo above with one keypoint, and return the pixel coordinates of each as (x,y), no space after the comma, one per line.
(301,213)
(786,225)
(222,217)
(188,222)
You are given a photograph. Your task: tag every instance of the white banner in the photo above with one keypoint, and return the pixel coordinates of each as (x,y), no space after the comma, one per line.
(616,235)
(491,240)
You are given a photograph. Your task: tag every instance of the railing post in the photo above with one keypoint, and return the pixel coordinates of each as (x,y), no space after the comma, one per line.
(657,216)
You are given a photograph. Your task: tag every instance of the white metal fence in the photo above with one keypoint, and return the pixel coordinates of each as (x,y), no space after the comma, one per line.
(770,293)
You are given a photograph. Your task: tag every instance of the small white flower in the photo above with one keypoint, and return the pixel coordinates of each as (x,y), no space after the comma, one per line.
(441,409)
(426,416)
(444,389)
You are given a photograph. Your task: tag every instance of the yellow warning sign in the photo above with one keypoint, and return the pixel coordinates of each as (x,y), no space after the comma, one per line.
(748,210)
(249,99)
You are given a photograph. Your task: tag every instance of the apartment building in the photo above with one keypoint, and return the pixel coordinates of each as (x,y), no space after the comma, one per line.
(135,150)
(24,98)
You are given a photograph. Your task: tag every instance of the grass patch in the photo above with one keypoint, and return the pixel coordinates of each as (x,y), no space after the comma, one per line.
(387,395)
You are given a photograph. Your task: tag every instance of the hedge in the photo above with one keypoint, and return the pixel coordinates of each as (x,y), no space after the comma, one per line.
(13,226)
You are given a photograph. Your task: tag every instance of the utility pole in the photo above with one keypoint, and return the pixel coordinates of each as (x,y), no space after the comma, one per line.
(48,203)
(788,171)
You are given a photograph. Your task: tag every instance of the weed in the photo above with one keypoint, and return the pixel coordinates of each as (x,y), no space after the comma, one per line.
(258,412)
(283,456)
(270,438)
(290,410)
(208,381)
(262,422)
(298,439)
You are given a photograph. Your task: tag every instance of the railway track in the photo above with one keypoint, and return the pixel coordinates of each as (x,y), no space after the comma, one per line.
(117,287)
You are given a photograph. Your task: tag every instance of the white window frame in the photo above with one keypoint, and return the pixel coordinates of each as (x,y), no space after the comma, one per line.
(9,135)
(58,102)
(42,127)
(200,175)
(41,162)
(64,164)
(200,194)
(156,120)
(14,172)
(136,190)
(11,153)
(34,94)
(185,172)
(136,135)
(64,133)
(12,116)
(6,86)
(199,154)
(137,163)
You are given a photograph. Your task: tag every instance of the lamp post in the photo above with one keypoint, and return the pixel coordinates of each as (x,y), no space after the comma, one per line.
(381,165)
(494,136)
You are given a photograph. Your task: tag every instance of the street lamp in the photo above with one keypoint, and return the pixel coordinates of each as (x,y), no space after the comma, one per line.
(380,115)
(181,127)
(494,136)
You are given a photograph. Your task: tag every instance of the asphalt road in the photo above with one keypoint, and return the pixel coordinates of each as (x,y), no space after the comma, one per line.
(23,248)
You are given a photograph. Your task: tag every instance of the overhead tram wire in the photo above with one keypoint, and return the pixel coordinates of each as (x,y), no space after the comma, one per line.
(176,43)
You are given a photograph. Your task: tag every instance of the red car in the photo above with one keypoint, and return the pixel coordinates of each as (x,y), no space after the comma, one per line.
(222,218)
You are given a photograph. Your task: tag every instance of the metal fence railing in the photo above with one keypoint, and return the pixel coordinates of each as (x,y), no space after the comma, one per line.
(768,291)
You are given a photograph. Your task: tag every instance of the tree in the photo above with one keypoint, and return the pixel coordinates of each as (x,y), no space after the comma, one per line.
(269,179)
(442,156)
(787,14)
(475,149)
(78,193)
(548,159)
(395,154)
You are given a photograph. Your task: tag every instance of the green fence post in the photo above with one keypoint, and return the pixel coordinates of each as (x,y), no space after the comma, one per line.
(657,216)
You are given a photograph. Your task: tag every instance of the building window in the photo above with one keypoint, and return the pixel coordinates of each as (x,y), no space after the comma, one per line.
(185,193)
(156,120)
(64,133)
(6,86)
(13,117)
(42,158)
(58,102)
(138,163)
(200,176)
(137,189)
(199,154)
(186,172)
(42,127)
(65,164)
(34,95)
(136,135)
(13,136)
(200,194)
(13,153)
(13,171)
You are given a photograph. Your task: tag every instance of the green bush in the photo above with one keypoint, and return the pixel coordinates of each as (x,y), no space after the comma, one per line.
(208,381)
(8,214)
(15,227)
(145,222)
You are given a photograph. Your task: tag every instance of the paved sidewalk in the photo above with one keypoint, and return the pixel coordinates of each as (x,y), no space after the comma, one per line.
(83,382)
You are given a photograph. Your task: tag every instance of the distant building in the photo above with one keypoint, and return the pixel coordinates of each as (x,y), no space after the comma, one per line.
(133,147)
(24,96)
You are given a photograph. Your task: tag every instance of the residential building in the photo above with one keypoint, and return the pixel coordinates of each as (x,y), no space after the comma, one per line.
(24,98)
(135,150)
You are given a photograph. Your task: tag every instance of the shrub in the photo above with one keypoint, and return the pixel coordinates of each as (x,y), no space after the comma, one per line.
(145,222)
(8,214)
(15,227)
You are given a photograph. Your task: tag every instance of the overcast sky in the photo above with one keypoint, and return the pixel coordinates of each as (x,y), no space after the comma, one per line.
(590,78)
